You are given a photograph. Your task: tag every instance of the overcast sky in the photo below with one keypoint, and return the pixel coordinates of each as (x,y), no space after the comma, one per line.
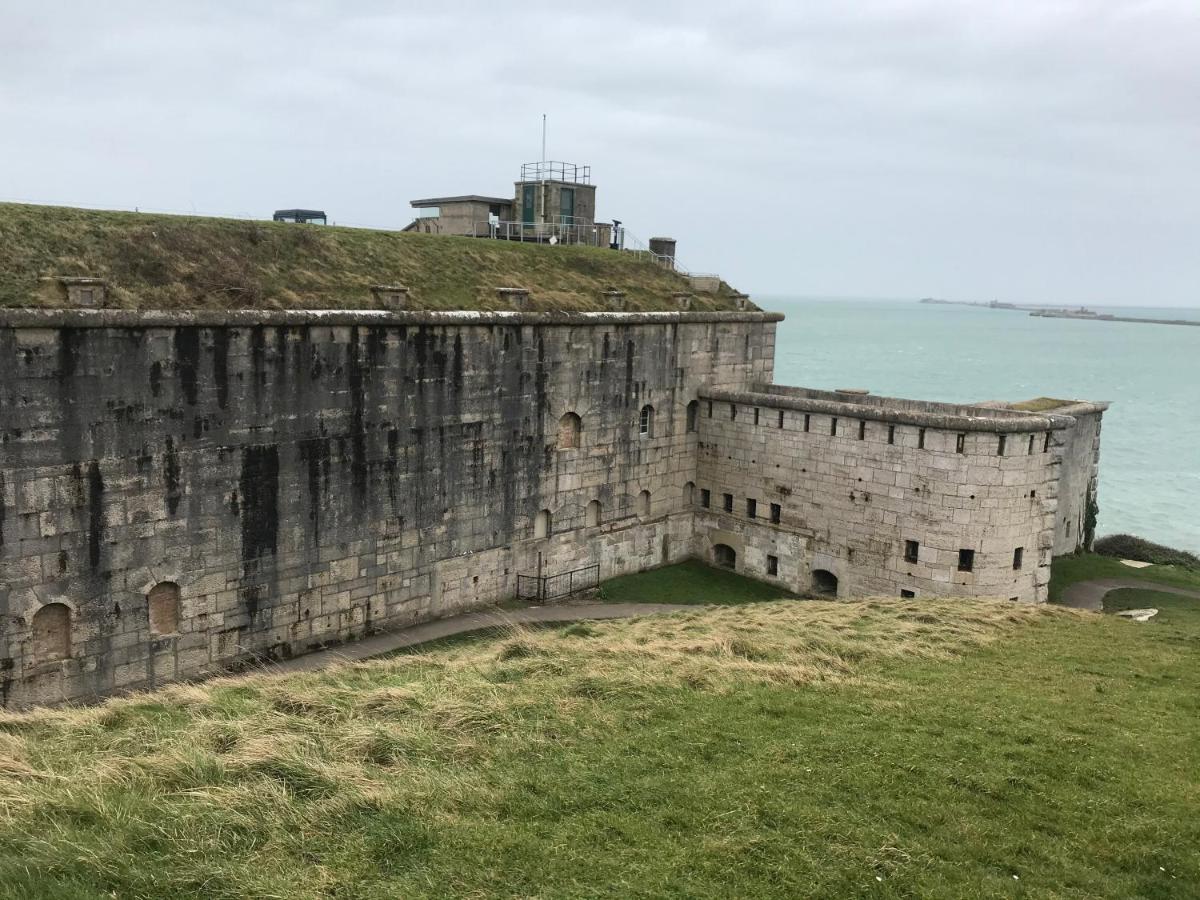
(1032,151)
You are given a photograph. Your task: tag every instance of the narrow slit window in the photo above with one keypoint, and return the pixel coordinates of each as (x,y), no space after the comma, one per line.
(960,444)
(966,560)
(862,431)
(732,411)
(891,434)
(1001,444)
(728,502)
(807,421)
(756,415)
(751,508)
(912,551)
(921,439)
(780,419)
(1046,446)
(1018,558)
(833,425)
(772,565)
(1031,445)
(710,409)
(776,513)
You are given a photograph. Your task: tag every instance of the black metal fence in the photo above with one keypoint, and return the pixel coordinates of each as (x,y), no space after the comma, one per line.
(556,587)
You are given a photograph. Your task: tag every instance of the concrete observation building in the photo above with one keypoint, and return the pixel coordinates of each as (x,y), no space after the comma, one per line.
(184,491)
(552,201)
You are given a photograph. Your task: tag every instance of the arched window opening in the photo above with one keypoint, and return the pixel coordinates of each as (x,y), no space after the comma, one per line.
(541,524)
(724,556)
(163,607)
(644,504)
(569,428)
(592,515)
(693,410)
(51,633)
(824,583)
(646,421)
(689,494)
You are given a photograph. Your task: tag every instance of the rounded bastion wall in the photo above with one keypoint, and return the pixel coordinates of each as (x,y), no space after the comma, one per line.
(887,502)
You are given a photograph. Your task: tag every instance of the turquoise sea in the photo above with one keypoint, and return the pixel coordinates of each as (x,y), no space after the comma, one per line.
(1150,443)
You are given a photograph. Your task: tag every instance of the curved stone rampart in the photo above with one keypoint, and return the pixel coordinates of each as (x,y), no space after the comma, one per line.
(944,421)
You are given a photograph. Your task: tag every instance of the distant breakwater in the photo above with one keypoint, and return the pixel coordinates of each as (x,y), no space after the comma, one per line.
(1097,317)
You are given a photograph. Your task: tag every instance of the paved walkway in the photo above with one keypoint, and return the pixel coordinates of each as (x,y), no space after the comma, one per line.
(388,641)
(1090,594)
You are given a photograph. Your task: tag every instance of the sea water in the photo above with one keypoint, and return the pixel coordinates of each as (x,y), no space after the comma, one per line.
(1150,441)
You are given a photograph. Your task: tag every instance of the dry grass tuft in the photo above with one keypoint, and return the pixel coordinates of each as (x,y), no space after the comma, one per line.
(313,735)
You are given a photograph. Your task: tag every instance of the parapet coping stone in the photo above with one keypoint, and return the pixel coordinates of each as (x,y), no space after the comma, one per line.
(1017,424)
(987,408)
(168,318)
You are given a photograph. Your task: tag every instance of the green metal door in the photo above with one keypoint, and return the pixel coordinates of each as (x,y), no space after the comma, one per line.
(528,203)
(566,205)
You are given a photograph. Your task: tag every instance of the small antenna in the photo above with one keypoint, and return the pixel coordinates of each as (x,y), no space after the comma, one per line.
(543,138)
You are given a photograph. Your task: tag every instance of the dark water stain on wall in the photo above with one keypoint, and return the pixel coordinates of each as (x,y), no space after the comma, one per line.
(628,371)
(314,454)
(390,467)
(171,476)
(456,378)
(95,495)
(259,486)
(187,361)
(221,365)
(155,378)
(358,436)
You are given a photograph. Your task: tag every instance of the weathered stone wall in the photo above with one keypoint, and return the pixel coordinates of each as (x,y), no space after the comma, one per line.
(268,483)
(1075,522)
(851,496)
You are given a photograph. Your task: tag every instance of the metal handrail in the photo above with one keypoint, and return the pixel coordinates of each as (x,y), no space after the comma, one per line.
(546,170)
(555,587)
(584,232)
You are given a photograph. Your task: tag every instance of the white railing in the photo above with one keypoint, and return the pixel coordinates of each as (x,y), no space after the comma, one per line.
(571,231)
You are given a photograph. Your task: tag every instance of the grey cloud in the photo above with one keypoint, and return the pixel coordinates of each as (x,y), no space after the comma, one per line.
(1037,151)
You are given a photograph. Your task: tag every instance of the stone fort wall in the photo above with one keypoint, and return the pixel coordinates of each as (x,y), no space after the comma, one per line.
(179,493)
(184,492)
(860,495)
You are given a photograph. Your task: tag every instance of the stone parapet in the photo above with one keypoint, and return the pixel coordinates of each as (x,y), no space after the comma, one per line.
(169,318)
(942,421)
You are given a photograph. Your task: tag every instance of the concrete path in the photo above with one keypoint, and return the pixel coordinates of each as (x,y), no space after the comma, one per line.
(386,642)
(1090,594)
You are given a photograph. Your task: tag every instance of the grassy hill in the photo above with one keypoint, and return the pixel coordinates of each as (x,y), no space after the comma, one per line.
(186,262)
(788,748)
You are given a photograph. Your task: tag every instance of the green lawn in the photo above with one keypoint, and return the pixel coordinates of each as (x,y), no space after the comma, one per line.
(886,748)
(691,582)
(1070,569)
(1181,613)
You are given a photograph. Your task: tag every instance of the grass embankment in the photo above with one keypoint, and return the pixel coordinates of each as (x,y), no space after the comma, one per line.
(882,748)
(691,582)
(1085,566)
(188,262)
(1039,404)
